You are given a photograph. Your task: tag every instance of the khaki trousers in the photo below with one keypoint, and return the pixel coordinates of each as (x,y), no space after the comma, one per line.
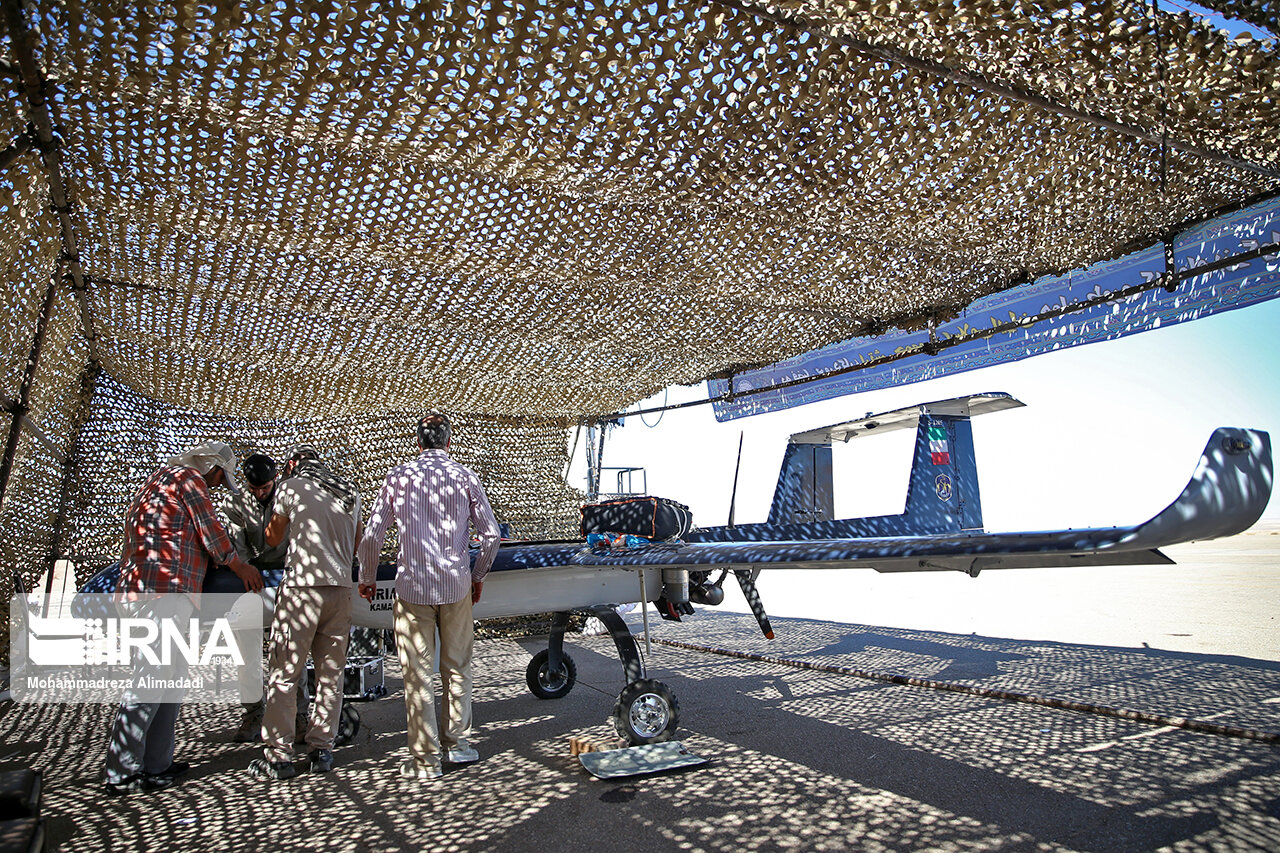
(416,626)
(315,620)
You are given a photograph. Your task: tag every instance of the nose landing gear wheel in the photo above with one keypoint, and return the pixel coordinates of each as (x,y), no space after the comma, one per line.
(646,712)
(550,685)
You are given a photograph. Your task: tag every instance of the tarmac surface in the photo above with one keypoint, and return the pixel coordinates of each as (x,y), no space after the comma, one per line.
(799,758)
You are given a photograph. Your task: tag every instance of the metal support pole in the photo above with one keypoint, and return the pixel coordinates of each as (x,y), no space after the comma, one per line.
(644,612)
(22,49)
(593,462)
(55,450)
(603,429)
(20,146)
(572,452)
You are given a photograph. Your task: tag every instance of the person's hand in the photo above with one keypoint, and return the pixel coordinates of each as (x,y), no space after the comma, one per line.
(367,591)
(475,592)
(249,576)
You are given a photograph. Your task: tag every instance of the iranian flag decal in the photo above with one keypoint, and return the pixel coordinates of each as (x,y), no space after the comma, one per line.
(938,448)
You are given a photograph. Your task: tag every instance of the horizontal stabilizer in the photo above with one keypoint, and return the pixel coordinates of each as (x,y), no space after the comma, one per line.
(907,418)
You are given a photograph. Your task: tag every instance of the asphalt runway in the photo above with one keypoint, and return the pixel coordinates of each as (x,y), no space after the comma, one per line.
(799,759)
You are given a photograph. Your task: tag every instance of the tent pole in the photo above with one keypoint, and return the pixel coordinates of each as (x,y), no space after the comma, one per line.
(22,406)
(21,41)
(79,416)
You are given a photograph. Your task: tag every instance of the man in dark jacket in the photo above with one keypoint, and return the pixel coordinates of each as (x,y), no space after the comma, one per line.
(246,516)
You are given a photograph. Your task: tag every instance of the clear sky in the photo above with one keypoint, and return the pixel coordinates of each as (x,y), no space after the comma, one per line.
(1110,434)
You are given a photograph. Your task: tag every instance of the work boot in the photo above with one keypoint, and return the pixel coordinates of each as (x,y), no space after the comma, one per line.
(321,760)
(250,730)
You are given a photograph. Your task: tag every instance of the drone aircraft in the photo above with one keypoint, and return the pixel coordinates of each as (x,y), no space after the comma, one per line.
(940,529)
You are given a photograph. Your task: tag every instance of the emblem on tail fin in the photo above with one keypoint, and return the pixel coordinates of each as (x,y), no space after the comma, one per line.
(942,485)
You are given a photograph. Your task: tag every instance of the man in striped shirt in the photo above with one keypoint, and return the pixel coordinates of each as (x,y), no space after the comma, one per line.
(432,499)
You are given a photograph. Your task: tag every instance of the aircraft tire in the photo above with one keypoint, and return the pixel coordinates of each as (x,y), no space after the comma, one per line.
(646,712)
(549,685)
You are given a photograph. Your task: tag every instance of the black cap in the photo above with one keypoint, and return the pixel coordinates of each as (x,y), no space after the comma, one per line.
(259,469)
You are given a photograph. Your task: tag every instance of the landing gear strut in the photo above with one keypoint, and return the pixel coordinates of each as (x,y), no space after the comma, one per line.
(646,710)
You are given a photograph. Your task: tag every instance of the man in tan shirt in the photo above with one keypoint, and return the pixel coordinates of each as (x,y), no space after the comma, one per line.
(320,513)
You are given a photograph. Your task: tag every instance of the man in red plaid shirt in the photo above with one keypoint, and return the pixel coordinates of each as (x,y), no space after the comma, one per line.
(172,531)
(171,534)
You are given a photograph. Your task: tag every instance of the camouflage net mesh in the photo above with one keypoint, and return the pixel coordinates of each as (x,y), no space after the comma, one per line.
(127,433)
(312,220)
(514,627)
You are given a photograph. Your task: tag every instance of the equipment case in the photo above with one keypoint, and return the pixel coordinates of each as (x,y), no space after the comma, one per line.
(362,677)
(651,517)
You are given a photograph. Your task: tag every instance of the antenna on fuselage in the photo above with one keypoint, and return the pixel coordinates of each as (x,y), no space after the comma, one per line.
(595,457)
(733,496)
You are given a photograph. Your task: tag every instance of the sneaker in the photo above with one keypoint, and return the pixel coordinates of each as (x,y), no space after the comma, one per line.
(463,755)
(136,782)
(411,769)
(250,730)
(321,760)
(260,768)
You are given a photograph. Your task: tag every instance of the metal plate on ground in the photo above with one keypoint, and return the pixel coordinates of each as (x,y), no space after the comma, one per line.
(639,760)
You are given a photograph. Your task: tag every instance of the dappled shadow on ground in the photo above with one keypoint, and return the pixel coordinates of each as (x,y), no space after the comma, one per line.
(1234,690)
(799,759)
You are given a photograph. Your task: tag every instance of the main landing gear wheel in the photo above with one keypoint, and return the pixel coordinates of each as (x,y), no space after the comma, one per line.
(647,712)
(546,684)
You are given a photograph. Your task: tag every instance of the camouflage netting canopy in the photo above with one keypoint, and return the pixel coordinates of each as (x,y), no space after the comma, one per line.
(264,222)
